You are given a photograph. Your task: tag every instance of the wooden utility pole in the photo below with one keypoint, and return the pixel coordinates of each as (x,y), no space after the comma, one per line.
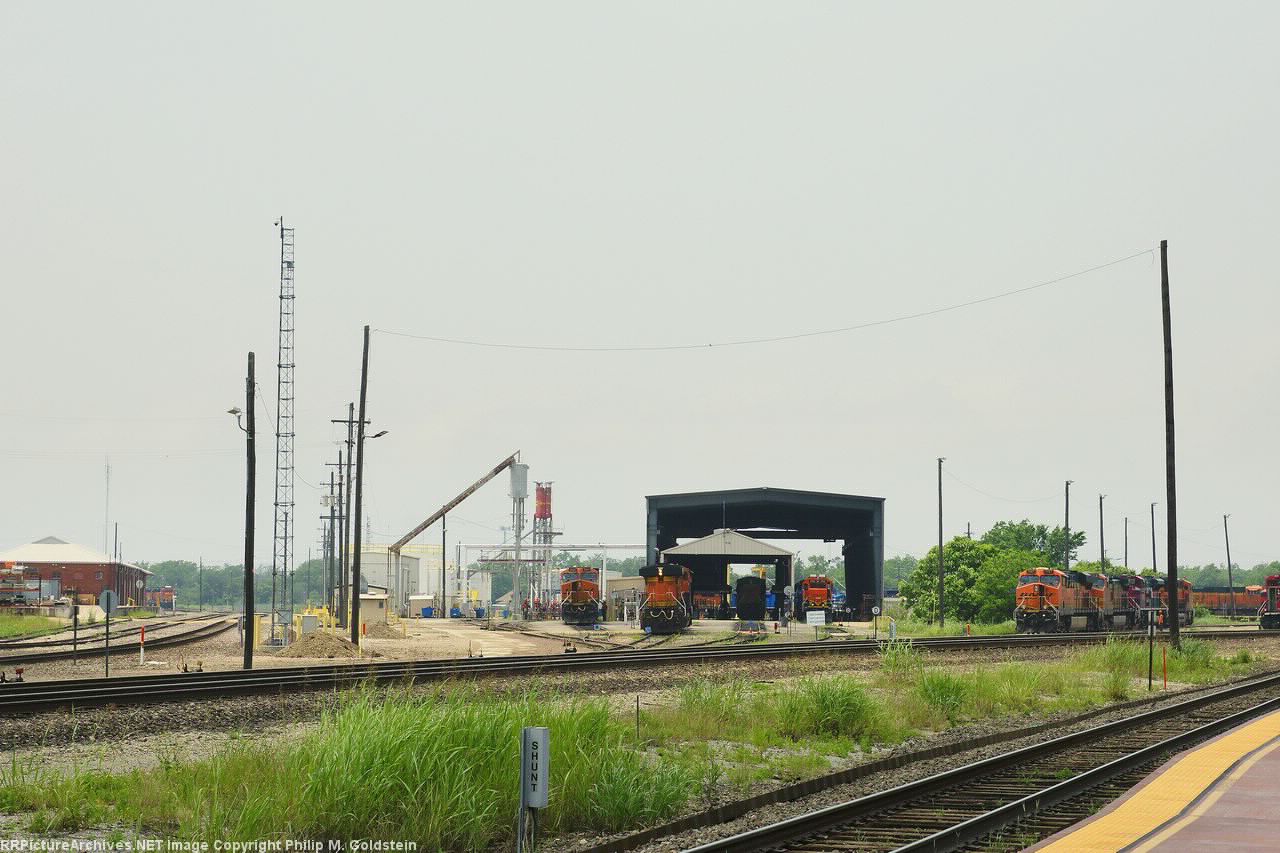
(1170,481)
(1230,585)
(1102,537)
(251,465)
(941,618)
(1066,545)
(1154,567)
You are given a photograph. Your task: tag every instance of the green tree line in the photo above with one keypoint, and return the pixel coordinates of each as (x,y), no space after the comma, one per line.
(222,587)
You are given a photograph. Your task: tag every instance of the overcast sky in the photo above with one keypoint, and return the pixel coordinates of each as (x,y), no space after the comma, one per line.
(640,174)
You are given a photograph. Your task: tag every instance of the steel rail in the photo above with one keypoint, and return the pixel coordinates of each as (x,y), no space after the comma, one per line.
(126,644)
(32,696)
(95,632)
(793,830)
(972,830)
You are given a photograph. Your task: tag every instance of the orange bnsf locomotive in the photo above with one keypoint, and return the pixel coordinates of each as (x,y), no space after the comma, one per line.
(814,593)
(1160,598)
(667,607)
(1051,600)
(580,595)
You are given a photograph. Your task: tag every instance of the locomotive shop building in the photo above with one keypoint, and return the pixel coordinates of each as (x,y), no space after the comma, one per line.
(855,521)
(78,569)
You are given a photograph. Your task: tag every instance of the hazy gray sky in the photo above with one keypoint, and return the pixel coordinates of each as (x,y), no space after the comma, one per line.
(641,173)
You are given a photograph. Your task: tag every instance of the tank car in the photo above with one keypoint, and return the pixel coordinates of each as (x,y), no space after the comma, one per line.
(667,607)
(580,595)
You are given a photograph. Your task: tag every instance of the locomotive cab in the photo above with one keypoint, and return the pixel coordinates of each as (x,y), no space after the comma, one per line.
(667,607)
(1269,612)
(580,595)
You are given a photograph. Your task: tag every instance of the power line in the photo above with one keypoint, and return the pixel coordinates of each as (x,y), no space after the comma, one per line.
(999,497)
(773,339)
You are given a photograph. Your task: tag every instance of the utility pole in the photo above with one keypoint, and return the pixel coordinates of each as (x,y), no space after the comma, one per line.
(346,518)
(1154,567)
(328,587)
(355,558)
(1126,541)
(1170,481)
(1230,584)
(968,530)
(200,581)
(941,617)
(1102,536)
(444,544)
(344,512)
(251,464)
(1066,546)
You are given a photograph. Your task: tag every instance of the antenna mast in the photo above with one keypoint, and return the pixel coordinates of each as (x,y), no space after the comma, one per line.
(282,543)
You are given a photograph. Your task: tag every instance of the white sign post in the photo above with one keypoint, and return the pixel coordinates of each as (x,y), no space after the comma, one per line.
(535,775)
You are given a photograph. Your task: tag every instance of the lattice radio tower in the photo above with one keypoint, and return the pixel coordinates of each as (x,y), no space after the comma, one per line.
(282,542)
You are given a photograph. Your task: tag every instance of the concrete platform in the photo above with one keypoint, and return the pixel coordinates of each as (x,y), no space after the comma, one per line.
(1217,796)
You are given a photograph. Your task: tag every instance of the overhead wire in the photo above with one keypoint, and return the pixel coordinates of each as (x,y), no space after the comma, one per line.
(999,497)
(774,338)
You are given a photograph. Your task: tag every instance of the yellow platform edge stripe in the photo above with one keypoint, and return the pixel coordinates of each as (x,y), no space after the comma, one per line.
(1202,808)
(1166,797)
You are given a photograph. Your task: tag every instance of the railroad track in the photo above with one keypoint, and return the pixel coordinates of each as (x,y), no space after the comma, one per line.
(94,633)
(1012,800)
(124,643)
(35,696)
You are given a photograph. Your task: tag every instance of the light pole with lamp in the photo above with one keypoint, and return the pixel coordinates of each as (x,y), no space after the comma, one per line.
(251,464)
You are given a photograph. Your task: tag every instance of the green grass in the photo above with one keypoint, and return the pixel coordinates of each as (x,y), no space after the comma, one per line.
(910,626)
(15,626)
(441,770)
(1195,663)
(1244,617)
(819,712)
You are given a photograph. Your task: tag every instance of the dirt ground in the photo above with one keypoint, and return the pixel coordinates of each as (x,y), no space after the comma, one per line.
(408,640)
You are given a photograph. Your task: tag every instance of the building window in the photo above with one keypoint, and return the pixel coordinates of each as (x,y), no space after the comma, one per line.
(57,575)
(97,576)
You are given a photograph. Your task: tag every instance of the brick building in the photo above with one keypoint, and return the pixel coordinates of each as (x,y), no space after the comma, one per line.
(79,569)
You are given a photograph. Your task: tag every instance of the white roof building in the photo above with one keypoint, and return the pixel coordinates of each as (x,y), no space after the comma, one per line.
(727,543)
(51,549)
